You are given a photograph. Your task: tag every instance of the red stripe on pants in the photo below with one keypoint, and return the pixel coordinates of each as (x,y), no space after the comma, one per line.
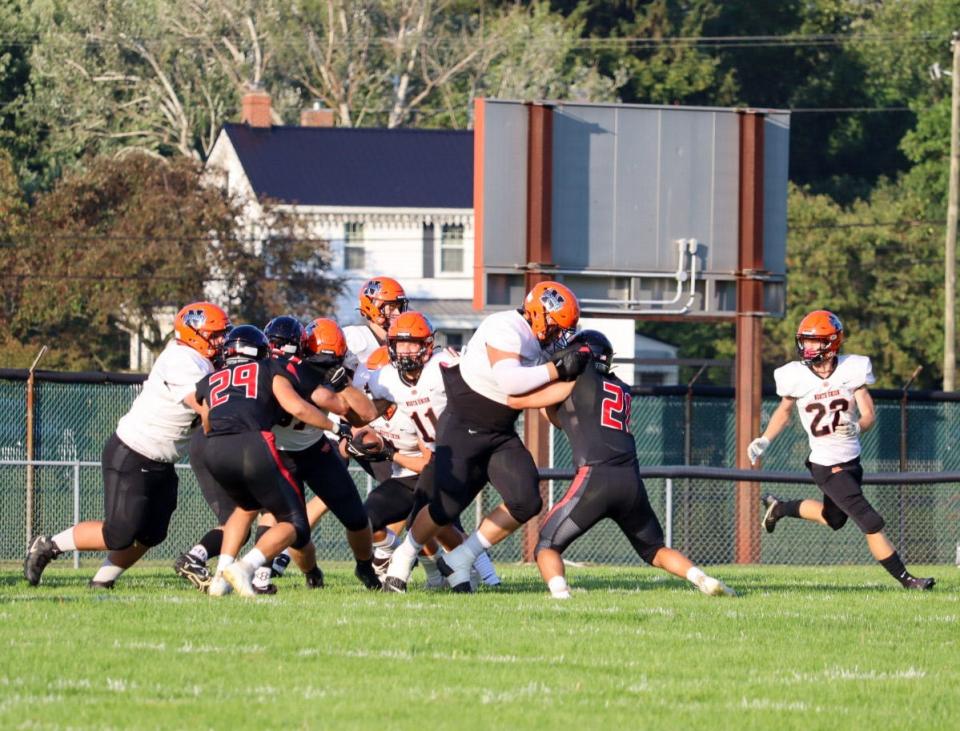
(578,481)
(272,446)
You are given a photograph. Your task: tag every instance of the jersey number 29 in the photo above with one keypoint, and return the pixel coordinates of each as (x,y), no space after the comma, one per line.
(615,411)
(244,376)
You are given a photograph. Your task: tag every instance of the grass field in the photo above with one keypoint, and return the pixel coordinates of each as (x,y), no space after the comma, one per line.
(800,648)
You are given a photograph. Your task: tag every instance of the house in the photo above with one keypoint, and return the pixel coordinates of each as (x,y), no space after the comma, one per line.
(396,202)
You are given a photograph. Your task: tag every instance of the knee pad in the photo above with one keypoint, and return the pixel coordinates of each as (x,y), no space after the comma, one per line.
(438,513)
(835,518)
(525,508)
(302,528)
(541,544)
(116,540)
(648,553)
(868,520)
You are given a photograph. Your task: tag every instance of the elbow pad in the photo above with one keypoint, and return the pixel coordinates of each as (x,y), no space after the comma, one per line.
(515,379)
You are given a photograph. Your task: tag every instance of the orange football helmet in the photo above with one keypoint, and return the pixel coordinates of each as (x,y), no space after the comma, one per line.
(324,344)
(553,312)
(824,327)
(378,358)
(378,292)
(201,325)
(410,327)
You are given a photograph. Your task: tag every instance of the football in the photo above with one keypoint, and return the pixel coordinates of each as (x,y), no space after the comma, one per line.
(367,440)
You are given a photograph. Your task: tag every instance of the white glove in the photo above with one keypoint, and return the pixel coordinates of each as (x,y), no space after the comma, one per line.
(846,427)
(756,448)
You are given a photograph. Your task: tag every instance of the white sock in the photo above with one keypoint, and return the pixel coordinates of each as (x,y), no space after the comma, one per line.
(484,567)
(695,576)
(429,564)
(475,545)
(199,552)
(108,571)
(387,542)
(402,562)
(64,541)
(558,587)
(255,558)
(224,561)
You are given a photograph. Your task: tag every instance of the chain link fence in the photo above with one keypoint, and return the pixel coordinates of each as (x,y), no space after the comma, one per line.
(72,420)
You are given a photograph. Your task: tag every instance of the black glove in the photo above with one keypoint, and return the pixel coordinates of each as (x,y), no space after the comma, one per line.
(338,378)
(571,362)
(379,450)
(344,431)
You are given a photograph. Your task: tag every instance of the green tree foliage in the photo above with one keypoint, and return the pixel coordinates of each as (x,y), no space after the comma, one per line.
(113,247)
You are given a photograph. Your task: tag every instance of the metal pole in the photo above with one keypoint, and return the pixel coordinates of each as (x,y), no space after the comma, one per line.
(76,507)
(30,455)
(950,247)
(668,513)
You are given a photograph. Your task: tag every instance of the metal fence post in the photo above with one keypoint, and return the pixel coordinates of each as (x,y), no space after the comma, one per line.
(76,507)
(688,455)
(668,512)
(30,455)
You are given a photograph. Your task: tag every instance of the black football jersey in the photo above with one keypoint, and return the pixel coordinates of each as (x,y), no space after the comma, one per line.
(241,396)
(596,420)
(305,379)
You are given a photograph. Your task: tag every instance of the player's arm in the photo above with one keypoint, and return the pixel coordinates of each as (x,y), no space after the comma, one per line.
(360,409)
(552,393)
(868,414)
(517,379)
(291,402)
(778,421)
(416,463)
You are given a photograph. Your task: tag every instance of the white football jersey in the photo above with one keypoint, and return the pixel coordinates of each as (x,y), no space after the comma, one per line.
(361,342)
(402,433)
(821,401)
(159,424)
(506,331)
(423,402)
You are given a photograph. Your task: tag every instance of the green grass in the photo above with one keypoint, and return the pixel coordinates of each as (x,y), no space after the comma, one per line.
(801,648)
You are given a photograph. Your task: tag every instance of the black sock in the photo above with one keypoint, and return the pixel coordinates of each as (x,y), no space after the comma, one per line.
(212,542)
(895,567)
(788,509)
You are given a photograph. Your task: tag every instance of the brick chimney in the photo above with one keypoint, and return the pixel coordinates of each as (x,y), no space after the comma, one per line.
(255,109)
(316,116)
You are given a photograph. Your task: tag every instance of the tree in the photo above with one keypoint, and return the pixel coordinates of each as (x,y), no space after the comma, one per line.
(113,247)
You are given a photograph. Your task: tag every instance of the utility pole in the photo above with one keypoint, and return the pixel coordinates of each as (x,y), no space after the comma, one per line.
(950,248)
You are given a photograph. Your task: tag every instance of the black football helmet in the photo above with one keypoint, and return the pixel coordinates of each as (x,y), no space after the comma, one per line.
(599,346)
(285,335)
(245,343)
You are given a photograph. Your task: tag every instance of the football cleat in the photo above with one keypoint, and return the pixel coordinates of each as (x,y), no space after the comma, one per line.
(219,586)
(261,581)
(380,565)
(457,572)
(240,575)
(41,552)
(915,582)
(714,587)
(394,585)
(193,570)
(100,584)
(314,578)
(770,502)
(367,575)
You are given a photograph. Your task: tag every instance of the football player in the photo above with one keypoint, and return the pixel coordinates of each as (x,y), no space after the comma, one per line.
(240,404)
(381,301)
(412,383)
(511,353)
(830,393)
(594,412)
(139,479)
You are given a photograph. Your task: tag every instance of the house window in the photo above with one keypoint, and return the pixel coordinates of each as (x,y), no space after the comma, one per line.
(353,257)
(451,247)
